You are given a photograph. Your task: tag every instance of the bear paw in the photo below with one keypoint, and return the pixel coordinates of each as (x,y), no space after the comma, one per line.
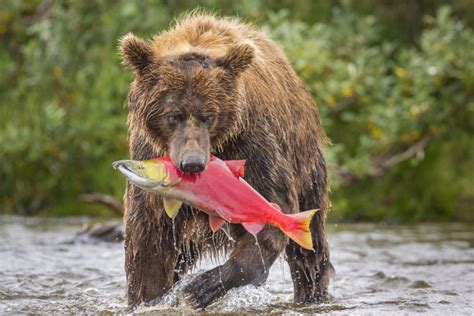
(204,289)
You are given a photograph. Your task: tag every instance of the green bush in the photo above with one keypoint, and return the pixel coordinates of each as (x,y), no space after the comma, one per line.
(400,116)
(64,116)
(381,103)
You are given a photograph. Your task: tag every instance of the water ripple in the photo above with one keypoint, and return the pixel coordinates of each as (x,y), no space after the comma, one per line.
(380,269)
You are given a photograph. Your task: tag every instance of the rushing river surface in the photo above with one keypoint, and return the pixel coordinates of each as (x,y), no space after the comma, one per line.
(427,268)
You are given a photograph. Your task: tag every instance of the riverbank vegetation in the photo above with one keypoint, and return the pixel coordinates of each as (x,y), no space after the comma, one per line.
(394,84)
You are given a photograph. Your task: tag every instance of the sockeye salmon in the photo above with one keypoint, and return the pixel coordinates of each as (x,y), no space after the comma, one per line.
(220,191)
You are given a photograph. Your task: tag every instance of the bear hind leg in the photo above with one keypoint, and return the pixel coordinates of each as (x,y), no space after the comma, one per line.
(311,270)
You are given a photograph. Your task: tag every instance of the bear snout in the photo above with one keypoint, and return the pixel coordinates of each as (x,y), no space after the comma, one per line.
(192,163)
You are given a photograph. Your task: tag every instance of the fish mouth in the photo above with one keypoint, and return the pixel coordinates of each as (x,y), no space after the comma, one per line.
(145,174)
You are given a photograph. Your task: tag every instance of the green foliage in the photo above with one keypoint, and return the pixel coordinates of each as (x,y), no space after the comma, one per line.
(400,115)
(378,100)
(63,121)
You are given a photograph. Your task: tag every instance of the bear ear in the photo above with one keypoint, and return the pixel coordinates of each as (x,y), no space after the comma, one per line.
(136,53)
(237,59)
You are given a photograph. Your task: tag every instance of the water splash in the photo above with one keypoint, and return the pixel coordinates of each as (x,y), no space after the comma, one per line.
(249,298)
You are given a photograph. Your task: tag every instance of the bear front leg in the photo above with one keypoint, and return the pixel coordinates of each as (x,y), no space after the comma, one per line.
(311,270)
(248,263)
(150,255)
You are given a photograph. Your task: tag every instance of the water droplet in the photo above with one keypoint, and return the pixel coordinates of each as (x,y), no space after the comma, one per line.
(261,254)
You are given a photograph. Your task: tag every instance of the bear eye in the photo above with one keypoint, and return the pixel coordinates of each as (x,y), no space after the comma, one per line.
(208,119)
(175,118)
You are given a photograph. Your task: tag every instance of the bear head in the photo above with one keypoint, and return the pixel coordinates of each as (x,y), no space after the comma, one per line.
(186,104)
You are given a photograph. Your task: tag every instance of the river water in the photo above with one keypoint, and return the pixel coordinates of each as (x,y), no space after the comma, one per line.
(428,268)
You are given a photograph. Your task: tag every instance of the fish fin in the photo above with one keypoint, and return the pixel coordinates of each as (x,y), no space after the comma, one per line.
(171,207)
(223,214)
(253,228)
(172,183)
(236,166)
(215,223)
(298,228)
(275,206)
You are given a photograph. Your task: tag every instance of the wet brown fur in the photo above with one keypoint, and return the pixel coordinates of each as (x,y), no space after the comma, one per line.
(264,114)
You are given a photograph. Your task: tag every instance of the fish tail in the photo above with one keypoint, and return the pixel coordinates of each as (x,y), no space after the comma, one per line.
(297,227)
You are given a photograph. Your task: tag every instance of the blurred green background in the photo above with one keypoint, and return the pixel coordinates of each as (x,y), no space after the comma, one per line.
(394,82)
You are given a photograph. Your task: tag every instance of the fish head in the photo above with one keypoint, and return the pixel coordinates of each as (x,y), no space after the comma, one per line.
(152,174)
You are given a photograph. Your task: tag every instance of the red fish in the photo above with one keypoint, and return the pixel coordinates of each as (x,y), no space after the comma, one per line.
(220,191)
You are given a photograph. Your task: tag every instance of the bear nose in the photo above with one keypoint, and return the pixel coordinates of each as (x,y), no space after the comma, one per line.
(192,163)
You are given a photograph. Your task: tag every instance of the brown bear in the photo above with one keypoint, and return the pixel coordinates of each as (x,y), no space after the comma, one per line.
(218,85)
